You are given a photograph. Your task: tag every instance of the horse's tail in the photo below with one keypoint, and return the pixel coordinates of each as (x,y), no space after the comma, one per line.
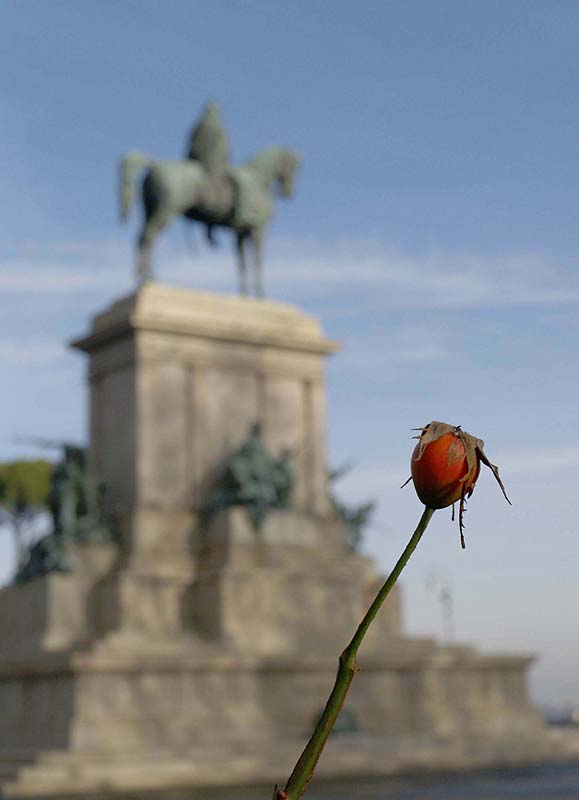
(129,167)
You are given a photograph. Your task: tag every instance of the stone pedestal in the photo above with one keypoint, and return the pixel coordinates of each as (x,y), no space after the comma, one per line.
(200,652)
(177,378)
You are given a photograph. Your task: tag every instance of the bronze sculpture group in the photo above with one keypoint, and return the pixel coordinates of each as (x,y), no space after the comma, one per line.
(205,188)
(76,506)
(254,479)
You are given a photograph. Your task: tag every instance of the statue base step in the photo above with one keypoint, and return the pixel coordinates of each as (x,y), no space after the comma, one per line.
(104,723)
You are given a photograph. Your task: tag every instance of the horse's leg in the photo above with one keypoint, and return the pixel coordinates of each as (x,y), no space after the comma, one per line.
(151,228)
(242,263)
(257,241)
(144,271)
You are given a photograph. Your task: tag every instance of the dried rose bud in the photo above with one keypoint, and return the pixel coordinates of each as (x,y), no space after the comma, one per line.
(445,467)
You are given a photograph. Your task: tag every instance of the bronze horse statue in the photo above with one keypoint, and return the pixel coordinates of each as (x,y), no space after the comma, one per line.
(241,200)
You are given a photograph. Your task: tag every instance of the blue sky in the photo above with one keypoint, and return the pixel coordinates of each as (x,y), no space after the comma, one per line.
(434,232)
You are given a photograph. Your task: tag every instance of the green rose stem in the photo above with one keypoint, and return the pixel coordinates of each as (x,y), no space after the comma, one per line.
(348,667)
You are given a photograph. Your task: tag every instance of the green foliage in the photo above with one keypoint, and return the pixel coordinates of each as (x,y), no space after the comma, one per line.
(25,483)
(354,517)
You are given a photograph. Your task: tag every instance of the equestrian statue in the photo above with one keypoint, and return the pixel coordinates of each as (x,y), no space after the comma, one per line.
(205,188)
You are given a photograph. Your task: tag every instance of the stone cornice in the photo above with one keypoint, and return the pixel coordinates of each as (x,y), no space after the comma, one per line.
(165,309)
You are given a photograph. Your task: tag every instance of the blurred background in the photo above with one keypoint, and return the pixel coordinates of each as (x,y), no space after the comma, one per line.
(433,232)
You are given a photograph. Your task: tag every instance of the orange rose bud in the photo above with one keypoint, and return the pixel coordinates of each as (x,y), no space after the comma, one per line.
(445,467)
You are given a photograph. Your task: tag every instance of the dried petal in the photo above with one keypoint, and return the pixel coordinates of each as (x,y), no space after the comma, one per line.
(445,467)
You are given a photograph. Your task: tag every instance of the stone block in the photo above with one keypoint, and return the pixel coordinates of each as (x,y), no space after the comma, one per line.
(55,612)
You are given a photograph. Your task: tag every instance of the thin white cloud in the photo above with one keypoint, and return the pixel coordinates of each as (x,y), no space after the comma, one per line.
(381,278)
(18,354)
(45,278)
(540,460)
(431,351)
(371,480)
(408,344)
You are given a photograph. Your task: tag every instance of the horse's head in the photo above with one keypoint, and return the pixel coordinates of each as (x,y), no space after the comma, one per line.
(275,165)
(288,164)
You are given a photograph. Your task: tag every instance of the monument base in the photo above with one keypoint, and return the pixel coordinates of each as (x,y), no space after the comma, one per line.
(233,696)
(201,651)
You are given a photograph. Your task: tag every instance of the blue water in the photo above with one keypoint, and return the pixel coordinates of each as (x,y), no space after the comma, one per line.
(552,782)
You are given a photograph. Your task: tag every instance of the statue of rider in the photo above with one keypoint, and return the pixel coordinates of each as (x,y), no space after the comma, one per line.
(209,145)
